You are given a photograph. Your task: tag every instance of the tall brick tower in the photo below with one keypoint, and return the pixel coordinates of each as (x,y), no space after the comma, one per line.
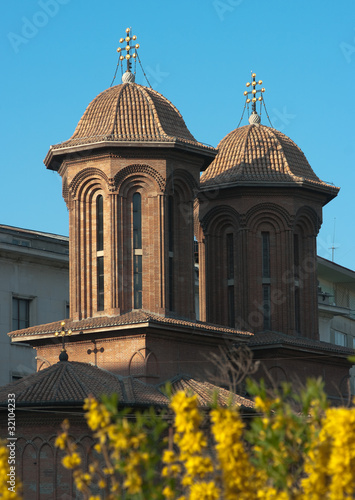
(260,210)
(130,172)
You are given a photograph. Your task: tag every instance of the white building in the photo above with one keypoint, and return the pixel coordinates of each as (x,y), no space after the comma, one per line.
(336,304)
(34,289)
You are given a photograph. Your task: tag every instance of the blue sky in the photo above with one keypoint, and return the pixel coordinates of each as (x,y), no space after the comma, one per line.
(57,55)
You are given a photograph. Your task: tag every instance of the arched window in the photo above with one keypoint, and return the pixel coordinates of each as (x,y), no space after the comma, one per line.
(265,253)
(99,252)
(137,250)
(296,262)
(230,278)
(171,251)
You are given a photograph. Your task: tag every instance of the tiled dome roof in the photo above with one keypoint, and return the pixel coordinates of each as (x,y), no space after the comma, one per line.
(130,112)
(258,154)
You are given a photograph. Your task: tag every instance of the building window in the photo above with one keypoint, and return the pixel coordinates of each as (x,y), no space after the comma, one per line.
(266,291)
(265,237)
(137,221)
(296,264)
(230,256)
(99,223)
(100,253)
(137,281)
(297,310)
(171,251)
(100,284)
(137,250)
(230,278)
(231,316)
(340,339)
(267,307)
(20,313)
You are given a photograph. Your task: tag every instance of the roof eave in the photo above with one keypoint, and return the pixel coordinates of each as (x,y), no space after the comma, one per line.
(329,190)
(55,154)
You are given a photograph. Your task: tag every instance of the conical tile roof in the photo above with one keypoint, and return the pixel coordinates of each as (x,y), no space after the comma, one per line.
(256,154)
(130,112)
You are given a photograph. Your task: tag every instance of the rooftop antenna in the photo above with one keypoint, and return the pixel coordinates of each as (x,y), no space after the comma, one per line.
(332,248)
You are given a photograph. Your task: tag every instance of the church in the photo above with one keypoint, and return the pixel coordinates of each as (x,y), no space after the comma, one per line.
(148,206)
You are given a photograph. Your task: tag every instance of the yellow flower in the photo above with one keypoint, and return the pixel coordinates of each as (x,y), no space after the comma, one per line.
(168,493)
(71,461)
(61,441)
(204,491)
(168,456)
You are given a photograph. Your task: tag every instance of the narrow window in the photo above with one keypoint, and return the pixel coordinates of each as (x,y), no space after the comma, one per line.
(266,307)
(20,313)
(230,278)
(297,310)
(137,221)
(100,284)
(266,292)
(296,263)
(230,256)
(137,251)
(231,318)
(266,254)
(99,254)
(171,251)
(99,223)
(137,281)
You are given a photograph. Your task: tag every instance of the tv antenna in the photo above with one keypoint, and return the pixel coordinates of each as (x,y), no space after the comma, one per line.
(332,248)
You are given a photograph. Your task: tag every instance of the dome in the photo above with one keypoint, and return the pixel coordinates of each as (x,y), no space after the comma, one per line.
(130,112)
(258,154)
(124,114)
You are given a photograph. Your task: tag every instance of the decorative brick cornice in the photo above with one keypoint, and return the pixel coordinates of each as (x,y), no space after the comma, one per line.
(135,169)
(271,211)
(223,214)
(87,174)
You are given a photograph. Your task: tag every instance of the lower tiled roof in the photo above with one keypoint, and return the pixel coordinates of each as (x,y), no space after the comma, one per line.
(68,383)
(208,393)
(275,338)
(130,318)
(64,382)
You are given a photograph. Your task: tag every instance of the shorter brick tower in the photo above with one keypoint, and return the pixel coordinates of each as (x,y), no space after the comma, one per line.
(260,210)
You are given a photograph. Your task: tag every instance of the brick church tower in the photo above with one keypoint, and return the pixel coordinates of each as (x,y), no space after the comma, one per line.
(260,210)
(130,172)
(130,175)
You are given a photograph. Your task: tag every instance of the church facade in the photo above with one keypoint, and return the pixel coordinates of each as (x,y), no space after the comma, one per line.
(137,206)
(136,198)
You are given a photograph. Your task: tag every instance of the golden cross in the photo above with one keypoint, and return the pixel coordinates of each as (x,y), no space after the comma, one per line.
(128,47)
(63,333)
(254,91)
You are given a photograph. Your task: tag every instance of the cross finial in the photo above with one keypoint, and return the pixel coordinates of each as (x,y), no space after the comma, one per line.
(128,38)
(253,92)
(63,355)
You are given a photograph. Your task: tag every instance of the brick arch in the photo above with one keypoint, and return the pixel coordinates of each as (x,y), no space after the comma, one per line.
(135,172)
(91,176)
(308,221)
(182,182)
(29,466)
(65,190)
(269,213)
(219,218)
(277,375)
(46,473)
(143,363)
